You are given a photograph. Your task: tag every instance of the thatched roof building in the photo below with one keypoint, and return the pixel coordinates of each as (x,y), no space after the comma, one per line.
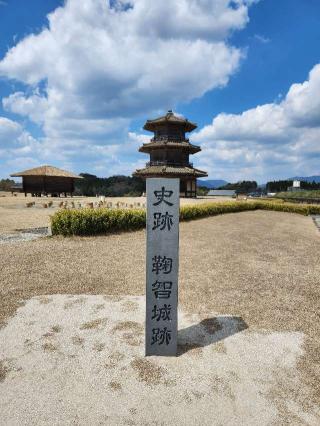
(46,180)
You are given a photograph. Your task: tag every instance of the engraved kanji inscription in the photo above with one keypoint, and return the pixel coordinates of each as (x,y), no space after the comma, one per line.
(161,264)
(162,289)
(162,195)
(160,336)
(162,221)
(161,313)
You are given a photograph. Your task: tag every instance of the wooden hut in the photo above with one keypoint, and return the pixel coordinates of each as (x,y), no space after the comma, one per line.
(45,180)
(169,151)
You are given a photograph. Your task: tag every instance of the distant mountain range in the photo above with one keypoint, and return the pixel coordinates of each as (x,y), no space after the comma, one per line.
(212,183)
(306,178)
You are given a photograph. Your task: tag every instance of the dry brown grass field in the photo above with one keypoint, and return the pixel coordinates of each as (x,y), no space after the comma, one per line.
(71,342)
(14,214)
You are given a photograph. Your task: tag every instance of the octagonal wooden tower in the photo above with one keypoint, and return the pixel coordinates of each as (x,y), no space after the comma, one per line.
(169,151)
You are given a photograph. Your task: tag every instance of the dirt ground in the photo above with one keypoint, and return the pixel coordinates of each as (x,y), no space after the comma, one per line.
(260,270)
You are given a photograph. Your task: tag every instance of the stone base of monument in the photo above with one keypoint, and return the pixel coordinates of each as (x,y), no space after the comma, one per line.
(80,360)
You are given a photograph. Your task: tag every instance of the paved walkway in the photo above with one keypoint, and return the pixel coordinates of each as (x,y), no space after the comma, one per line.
(25,235)
(316,219)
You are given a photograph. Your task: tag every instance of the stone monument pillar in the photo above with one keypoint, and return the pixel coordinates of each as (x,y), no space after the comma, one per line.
(162,266)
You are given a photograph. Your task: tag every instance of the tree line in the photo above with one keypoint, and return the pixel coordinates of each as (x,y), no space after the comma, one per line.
(242,187)
(283,185)
(114,186)
(118,186)
(6,184)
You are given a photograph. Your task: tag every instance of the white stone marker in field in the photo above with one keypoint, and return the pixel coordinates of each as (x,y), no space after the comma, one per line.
(162,266)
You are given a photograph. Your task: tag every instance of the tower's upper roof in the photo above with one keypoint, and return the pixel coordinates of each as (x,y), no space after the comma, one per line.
(170,117)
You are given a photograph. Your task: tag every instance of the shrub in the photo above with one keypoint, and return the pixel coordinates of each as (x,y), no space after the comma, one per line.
(213,209)
(304,209)
(299,194)
(93,222)
(104,221)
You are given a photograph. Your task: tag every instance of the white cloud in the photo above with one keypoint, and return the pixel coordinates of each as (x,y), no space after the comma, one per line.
(302,103)
(19,150)
(34,106)
(9,130)
(271,140)
(99,64)
(16,144)
(262,39)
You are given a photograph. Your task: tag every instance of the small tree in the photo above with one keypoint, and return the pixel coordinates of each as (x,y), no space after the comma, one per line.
(6,184)
(202,190)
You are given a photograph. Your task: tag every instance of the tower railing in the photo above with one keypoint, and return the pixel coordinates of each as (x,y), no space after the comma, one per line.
(168,138)
(169,163)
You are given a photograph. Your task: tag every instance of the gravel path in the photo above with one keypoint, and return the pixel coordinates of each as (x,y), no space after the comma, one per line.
(262,267)
(25,235)
(316,220)
(80,360)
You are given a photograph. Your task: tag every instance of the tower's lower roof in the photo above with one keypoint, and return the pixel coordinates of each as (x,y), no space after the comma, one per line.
(160,171)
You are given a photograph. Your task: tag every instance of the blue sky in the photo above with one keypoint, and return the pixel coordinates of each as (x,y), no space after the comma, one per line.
(77,87)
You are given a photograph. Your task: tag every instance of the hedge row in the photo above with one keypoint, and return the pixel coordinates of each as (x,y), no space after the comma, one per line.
(104,221)
(299,194)
(98,221)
